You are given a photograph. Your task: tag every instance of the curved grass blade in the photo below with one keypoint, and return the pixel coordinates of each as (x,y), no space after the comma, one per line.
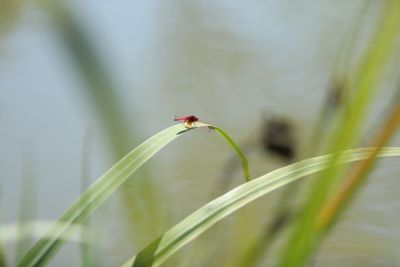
(96,194)
(243,159)
(205,217)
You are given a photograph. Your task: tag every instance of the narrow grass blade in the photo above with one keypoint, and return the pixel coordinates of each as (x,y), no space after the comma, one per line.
(2,256)
(86,259)
(364,84)
(243,159)
(93,197)
(97,194)
(100,90)
(205,217)
(334,206)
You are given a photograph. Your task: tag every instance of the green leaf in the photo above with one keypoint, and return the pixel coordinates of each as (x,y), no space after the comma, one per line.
(245,164)
(205,217)
(364,84)
(96,194)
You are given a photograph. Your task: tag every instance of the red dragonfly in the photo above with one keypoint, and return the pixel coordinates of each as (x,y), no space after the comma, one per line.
(187,120)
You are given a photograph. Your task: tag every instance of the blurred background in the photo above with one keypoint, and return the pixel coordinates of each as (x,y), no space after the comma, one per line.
(84,82)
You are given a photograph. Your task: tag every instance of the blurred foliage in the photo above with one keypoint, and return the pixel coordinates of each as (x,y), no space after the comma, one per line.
(364,83)
(100,91)
(9,13)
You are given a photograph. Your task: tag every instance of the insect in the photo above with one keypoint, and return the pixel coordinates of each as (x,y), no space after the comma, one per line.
(188,121)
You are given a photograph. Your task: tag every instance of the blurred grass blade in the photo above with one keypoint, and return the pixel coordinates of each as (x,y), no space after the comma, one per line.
(2,257)
(93,197)
(336,100)
(86,259)
(35,229)
(364,84)
(205,217)
(2,254)
(101,90)
(334,206)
